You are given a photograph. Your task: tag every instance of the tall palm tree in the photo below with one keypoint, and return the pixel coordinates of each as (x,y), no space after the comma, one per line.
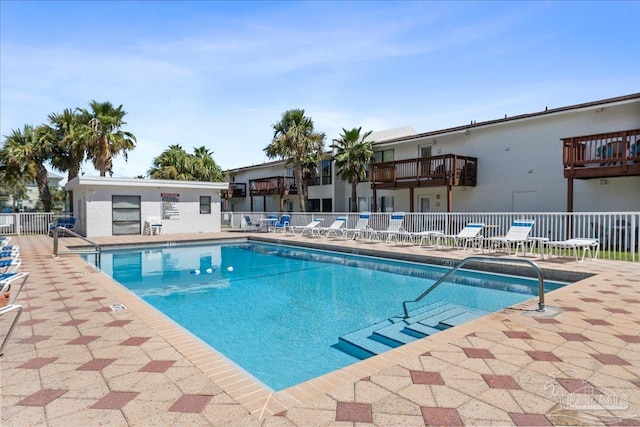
(204,167)
(25,153)
(352,156)
(104,135)
(295,141)
(65,133)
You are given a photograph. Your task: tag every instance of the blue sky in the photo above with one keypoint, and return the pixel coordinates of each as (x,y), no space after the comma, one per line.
(219,73)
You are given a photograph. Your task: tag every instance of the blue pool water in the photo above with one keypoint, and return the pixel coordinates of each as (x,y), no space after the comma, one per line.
(277,311)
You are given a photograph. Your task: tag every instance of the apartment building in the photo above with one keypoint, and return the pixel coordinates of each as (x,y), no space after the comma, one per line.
(583,157)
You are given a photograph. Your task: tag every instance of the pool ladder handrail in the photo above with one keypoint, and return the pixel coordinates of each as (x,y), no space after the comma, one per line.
(96,247)
(541,305)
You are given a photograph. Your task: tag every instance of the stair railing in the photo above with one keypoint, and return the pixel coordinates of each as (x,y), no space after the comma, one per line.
(96,247)
(541,305)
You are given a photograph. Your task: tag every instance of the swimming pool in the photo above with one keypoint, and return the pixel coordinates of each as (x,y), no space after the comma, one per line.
(284,314)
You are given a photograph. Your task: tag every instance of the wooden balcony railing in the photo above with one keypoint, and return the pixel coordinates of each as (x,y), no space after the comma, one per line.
(275,185)
(602,155)
(236,189)
(447,169)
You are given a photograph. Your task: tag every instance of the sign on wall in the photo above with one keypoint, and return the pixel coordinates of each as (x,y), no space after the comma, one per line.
(170,205)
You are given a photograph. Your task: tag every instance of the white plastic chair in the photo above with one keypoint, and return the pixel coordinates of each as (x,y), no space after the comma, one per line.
(334,228)
(469,234)
(153,225)
(360,227)
(518,235)
(313,228)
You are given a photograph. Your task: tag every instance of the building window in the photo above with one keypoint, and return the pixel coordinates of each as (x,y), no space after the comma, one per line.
(426,150)
(326,172)
(327,205)
(383,156)
(125,214)
(205,204)
(385,204)
(313,205)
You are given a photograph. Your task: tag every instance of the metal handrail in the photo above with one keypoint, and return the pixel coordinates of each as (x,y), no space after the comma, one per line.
(541,305)
(97,250)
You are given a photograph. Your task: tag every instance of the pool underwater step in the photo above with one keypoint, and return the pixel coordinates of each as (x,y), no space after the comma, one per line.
(396,331)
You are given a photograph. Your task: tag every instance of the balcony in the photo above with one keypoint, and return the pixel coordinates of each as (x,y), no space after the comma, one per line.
(603,155)
(235,190)
(275,185)
(435,171)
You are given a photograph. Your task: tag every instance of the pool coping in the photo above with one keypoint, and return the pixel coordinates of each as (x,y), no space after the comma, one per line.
(259,400)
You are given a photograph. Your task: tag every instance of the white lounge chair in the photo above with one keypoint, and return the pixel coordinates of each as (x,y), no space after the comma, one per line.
(10,265)
(393,231)
(13,282)
(359,228)
(518,235)
(575,244)
(469,234)
(336,227)
(312,229)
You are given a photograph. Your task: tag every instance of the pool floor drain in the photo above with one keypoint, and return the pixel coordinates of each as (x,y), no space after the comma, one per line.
(118,307)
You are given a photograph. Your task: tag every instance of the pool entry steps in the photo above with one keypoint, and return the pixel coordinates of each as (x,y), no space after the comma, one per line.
(428,320)
(398,330)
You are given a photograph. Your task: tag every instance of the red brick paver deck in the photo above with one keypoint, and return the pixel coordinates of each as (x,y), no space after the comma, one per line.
(75,361)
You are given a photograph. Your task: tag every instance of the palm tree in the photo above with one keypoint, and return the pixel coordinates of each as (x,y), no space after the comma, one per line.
(295,141)
(105,138)
(204,167)
(173,163)
(65,133)
(25,153)
(352,156)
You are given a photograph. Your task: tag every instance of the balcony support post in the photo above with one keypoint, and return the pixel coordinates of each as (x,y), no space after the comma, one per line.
(569,194)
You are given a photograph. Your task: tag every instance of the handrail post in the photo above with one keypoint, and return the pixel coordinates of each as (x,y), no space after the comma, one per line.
(55,242)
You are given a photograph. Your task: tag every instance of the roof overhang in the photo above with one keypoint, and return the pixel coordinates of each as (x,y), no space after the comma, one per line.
(102,181)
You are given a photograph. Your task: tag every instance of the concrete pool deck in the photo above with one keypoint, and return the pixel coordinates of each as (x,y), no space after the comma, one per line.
(74,361)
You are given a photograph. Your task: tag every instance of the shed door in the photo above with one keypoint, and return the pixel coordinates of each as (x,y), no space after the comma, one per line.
(125,215)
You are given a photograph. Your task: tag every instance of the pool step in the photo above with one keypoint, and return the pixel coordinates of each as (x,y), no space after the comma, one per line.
(396,331)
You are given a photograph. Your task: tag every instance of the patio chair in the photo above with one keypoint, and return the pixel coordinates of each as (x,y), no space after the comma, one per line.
(13,282)
(10,252)
(313,228)
(359,228)
(469,234)
(573,245)
(8,266)
(393,231)
(248,224)
(153,225)
(283,223)
(337,226)
(64,222)
(6,282)
(518,235)
(8,309)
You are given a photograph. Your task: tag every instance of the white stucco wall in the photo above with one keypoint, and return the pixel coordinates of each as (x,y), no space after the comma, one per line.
(520,167)
(93,204)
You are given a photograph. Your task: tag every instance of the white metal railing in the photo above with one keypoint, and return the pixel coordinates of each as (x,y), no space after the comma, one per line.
(617,232)
(26,223)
